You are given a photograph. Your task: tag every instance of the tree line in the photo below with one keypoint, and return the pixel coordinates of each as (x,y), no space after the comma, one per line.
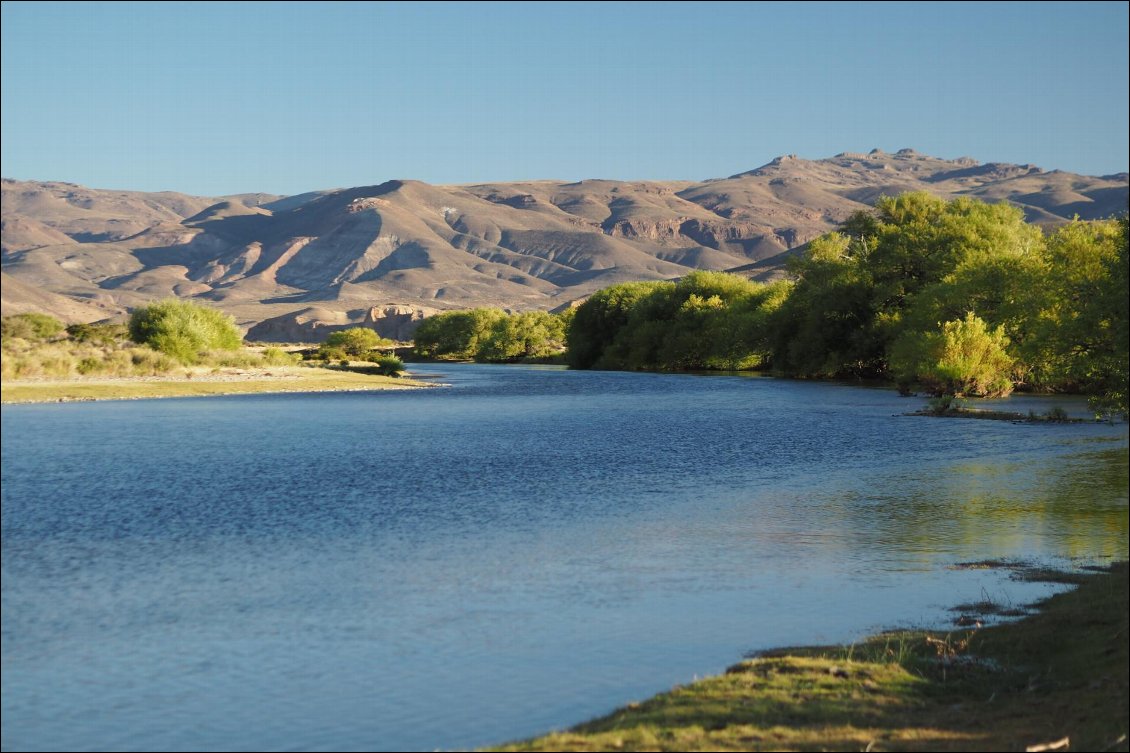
(493,335)
(955,297)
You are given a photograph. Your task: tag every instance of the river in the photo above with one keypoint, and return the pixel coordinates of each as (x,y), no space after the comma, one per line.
(516,552)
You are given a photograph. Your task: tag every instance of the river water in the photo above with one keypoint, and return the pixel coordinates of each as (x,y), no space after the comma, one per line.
(516,552)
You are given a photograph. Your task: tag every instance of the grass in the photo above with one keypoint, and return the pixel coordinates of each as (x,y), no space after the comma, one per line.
(1059,673)
(97,362)
(1051,416)
(215,382)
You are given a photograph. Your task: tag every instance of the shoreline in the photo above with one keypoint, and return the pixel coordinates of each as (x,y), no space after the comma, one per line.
(203,383)
(1055,679)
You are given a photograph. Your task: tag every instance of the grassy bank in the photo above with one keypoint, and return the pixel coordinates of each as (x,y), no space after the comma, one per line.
(194,383)
(1057,675)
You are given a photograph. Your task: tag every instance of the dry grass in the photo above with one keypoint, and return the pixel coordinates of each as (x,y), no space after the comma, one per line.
(200,382)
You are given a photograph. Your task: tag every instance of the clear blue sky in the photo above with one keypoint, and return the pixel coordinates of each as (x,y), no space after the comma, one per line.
(217,98)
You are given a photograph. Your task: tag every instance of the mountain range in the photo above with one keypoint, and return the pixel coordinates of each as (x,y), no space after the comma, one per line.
(385,256)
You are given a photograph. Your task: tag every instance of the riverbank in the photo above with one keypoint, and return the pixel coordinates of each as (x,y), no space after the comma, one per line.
(201,382)
(1054,680)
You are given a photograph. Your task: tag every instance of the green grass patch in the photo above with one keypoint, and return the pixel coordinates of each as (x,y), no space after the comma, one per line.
(1059,673)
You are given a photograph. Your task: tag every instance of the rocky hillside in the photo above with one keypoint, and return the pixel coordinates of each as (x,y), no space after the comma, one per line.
(385,255)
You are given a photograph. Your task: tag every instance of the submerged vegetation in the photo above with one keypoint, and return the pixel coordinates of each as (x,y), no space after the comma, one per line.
(1057,678)
(959,297)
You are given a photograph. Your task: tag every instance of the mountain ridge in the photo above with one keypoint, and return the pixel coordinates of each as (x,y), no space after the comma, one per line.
(404,245)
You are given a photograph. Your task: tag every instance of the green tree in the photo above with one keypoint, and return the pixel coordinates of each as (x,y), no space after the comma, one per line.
(354,342)
(1082,327)
(532,334)
(455,334)
(963,358)
(183,330)
(831,323)
(707,320)
(598,320)
(918,261)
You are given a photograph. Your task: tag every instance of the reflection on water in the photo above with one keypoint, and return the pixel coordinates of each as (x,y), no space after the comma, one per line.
(523,550)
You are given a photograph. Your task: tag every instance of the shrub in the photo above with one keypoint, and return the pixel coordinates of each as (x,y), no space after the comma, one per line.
(355,341)
(278,357)
(34,327)
(232,360)
(1056,414)
(183,330)
(98,334)
(943,404)
(90,365)
(144,362)
(328,353)
(964,357)
(389,366)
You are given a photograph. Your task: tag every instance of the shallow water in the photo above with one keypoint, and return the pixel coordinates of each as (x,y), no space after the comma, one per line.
(515,553)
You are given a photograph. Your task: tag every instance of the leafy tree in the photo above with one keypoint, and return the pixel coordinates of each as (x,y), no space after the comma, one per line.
(707,320)
(1112,363)
(353,342)
(532,334)
(963,296)
(831,325)
(964,358)
(455,334)
(1082,326)
(598,320)
(917,262)
(183,330)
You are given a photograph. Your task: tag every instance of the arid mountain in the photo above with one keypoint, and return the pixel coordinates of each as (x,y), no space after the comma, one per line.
(298,267)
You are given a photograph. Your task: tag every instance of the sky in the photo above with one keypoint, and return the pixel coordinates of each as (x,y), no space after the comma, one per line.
(221,98)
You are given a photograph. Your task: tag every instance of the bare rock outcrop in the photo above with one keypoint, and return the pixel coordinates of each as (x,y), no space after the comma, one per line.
(394,321)
(314,325)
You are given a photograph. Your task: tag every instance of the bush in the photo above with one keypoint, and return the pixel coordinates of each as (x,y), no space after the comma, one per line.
(355,341)
(533,334)
(1056,414)
(389,366)
(183,330)
(90,365)
(98,334)
(327,353)
(455,334)
(963,358)
(33,327)
(278,357)
(943,404)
